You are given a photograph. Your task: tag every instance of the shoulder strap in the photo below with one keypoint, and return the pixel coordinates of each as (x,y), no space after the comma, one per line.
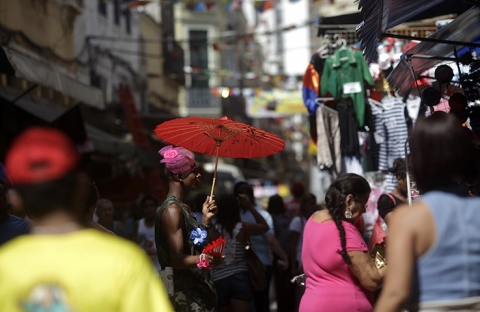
(392,198)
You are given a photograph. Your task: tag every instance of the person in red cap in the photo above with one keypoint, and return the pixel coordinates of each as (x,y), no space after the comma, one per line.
(62,265)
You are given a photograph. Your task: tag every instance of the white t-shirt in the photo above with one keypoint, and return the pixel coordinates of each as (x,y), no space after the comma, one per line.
(146,236)
(258,241)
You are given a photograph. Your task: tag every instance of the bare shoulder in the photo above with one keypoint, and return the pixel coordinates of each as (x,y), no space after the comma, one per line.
(173,208)
(172,211)
(413,215)
(414,223)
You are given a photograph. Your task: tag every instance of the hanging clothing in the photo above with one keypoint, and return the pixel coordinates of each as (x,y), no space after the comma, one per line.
(343,75)
(310,91)
(311,80)
(328,140)
(318,63)
(377,133)
(395,135)
(349,144)
(352,165)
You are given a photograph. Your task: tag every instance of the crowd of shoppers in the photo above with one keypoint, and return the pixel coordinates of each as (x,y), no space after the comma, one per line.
(77,254)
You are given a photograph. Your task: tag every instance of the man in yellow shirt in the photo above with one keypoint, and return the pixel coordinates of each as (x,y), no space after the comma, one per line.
(62,265)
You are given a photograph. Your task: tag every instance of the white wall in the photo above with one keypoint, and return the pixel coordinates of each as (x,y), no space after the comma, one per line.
(296,42)
(268,43)
(92,23)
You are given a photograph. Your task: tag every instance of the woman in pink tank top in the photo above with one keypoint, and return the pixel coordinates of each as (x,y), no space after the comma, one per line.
(341,275)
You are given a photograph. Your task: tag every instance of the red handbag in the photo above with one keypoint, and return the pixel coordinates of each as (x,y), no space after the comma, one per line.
(378,234)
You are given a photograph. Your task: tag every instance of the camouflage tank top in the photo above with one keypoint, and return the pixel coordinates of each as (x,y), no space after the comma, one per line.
(197,284)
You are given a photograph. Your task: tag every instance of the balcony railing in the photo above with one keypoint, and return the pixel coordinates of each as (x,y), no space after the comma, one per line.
(201,102)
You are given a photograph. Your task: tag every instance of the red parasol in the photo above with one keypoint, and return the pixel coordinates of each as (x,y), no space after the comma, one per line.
(219,137)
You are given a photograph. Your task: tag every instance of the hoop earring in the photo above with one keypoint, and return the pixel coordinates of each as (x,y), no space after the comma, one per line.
(348,214)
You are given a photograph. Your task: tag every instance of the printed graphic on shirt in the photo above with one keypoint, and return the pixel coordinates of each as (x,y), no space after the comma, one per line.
(48,297)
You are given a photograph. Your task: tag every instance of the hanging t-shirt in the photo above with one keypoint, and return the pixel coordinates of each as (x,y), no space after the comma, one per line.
(343,75)
(378,132)
(395,134)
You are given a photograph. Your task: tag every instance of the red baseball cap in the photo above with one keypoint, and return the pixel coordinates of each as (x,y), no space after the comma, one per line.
(40,155)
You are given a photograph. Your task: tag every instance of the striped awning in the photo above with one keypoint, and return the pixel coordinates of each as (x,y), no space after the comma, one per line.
(380,15)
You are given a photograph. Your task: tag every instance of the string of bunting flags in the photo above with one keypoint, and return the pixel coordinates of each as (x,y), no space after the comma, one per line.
(232,74)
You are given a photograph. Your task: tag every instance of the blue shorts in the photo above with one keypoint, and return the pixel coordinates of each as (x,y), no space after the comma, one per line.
(236,286)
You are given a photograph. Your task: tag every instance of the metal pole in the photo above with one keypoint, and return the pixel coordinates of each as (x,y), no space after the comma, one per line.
(430,57)
(24,93)
(459,43)
(409,190)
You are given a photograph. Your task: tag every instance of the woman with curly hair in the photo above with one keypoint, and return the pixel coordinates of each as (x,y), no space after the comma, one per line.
(231,278)
(340,274)
(387,202)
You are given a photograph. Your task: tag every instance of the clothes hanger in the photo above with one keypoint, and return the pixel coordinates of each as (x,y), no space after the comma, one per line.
(324,43)
(323,50)
(342,43)
(343,47)
(319,102)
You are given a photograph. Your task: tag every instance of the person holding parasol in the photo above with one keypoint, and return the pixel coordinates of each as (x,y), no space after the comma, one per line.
(180,238)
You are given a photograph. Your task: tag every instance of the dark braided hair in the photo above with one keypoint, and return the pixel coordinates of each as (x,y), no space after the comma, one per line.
(338,191)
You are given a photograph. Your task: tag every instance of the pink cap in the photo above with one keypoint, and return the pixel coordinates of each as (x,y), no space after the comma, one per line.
(177,159)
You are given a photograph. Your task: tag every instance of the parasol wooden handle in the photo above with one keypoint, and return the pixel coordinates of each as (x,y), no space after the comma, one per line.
(215,170)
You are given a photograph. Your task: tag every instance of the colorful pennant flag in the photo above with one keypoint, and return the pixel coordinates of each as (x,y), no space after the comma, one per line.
(232,5)
(200,6)
(262,6)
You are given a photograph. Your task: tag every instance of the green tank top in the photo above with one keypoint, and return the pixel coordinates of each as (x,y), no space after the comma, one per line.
(197,284)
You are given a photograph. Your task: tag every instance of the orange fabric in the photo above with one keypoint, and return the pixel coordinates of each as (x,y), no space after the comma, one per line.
(311,79)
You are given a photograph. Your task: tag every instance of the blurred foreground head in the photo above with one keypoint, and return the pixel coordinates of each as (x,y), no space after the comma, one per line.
(441,152)
(41,164)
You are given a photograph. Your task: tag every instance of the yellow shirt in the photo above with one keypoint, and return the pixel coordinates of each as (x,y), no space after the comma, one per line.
(81,271)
